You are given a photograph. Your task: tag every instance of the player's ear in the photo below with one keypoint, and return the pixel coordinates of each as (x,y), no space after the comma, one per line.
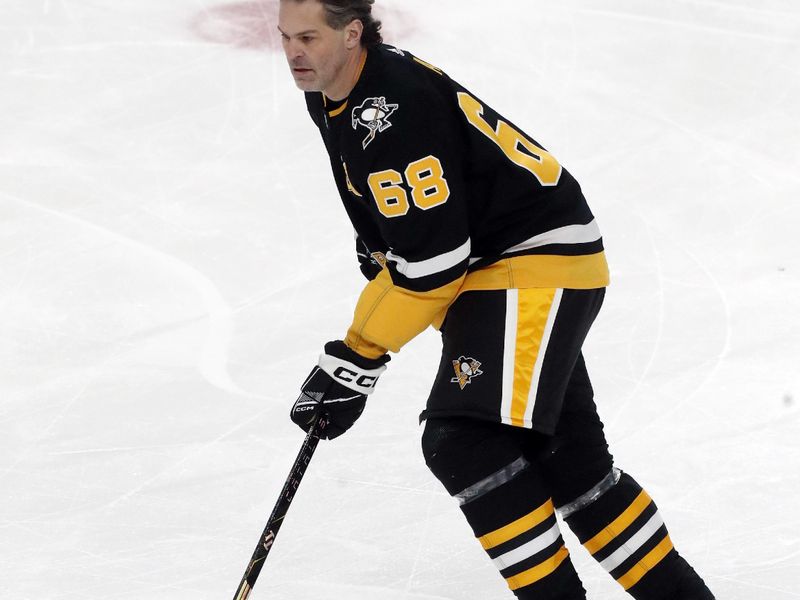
(352,33)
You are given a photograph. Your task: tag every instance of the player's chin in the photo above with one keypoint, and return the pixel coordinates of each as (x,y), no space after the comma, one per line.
(306,82)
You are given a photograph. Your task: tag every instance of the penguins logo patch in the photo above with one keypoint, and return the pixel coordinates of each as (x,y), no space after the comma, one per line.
(379,258)
(466,369)
(373,114)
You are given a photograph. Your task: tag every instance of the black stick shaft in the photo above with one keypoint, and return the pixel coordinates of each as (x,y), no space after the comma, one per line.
(279,512)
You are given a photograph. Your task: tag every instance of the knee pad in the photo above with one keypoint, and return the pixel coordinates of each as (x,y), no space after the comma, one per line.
(571,469)
(576,458)
(460,452)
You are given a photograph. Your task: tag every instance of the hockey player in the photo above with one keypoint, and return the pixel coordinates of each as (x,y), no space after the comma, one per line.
(466,223)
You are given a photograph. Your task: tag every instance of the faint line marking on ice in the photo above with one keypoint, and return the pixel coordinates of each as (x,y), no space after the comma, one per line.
(621,410)
(201,448)
(740,582)
(723,296)
(212,363)
(95,372)
(121,449)
(252,24)
(684,25)
(747,9)
(6,298)
(717,359)
(367,591)
(387,486)
(423,538)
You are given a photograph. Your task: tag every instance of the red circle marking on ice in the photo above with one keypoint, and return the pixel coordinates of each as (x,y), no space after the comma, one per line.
(254,24)
(242,24)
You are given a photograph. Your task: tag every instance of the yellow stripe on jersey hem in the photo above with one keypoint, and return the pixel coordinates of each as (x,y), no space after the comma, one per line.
(585,272)
(655,556)
(538,572)
(518,527)
(620,524)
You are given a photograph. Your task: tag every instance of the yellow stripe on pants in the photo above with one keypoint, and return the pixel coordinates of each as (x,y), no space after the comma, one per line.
(533,311)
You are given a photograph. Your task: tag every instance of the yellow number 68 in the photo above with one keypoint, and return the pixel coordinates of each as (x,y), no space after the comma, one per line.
(426,179)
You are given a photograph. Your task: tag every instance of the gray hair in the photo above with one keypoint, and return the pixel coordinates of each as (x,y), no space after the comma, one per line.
(340,13)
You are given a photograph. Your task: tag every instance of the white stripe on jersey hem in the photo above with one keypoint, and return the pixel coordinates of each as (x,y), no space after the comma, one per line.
(536,545)
(430,266)
(570,234)
(647,531)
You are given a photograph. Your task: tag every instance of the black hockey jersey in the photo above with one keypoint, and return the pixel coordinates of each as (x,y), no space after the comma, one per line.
(450,196)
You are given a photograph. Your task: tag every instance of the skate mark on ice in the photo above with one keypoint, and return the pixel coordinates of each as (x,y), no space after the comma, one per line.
(212,362)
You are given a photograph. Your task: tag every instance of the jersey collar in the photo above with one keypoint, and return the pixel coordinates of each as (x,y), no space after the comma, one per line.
(335,108)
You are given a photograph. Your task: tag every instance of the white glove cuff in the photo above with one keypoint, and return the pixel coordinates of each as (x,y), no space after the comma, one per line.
(349,375)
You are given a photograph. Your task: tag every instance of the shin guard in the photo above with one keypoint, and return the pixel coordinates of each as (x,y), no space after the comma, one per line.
(508,509)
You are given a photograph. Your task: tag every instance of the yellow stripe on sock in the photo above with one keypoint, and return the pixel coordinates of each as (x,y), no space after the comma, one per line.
(538,572)
(641,568)
(620,524)
(515,528)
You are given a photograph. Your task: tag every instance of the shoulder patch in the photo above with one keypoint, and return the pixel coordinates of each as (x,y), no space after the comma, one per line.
(373,114)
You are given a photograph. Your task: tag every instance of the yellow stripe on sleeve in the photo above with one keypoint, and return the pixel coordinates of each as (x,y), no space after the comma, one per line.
(515,528)
(620,524)
(388,316)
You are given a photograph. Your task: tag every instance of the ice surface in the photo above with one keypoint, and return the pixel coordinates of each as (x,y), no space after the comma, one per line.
(173,255)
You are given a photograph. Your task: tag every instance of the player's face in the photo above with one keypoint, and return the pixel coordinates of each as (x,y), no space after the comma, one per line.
(316,52)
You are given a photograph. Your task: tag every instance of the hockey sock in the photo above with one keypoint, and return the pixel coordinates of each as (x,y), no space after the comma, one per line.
(508,509)
(517,528)
(620,526)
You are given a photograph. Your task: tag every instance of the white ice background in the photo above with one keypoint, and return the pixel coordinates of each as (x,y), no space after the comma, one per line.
(173,255)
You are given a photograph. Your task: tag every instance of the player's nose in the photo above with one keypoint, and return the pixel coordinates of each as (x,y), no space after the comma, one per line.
(292,49)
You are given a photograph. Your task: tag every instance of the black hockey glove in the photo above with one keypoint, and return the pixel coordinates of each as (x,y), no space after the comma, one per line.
(338,387)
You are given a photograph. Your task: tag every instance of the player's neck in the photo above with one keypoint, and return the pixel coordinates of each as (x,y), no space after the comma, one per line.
(351,71)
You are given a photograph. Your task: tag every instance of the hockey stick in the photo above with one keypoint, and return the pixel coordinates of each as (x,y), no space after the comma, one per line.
(281,507)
